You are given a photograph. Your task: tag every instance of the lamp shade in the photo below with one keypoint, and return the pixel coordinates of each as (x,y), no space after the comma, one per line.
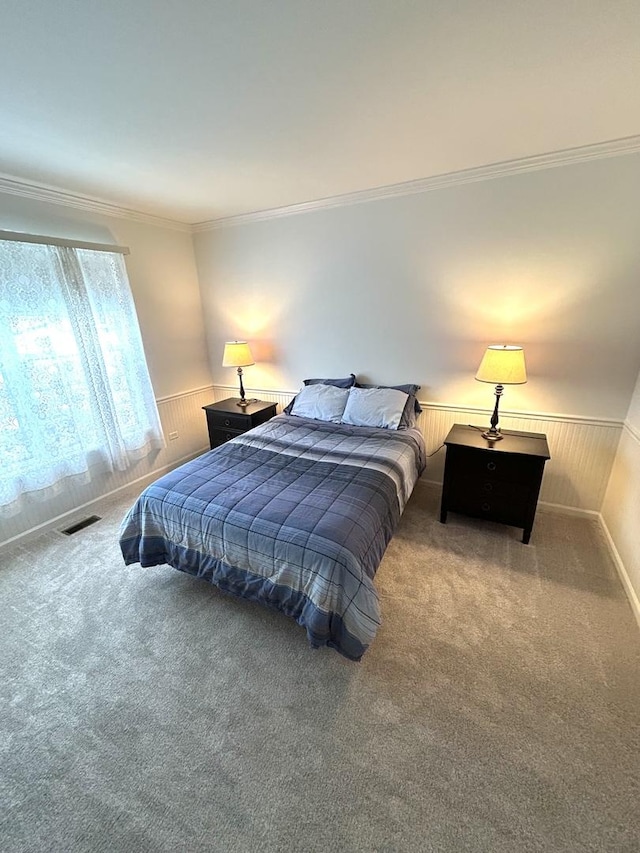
(237,354)
(503,365)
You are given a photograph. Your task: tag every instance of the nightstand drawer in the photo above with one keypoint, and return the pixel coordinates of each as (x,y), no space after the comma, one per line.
(503,509)
(220,436)
(486,466)
(504,489)
(227,420)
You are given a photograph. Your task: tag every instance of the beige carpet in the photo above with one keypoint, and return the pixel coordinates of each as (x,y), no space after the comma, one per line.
(497,710)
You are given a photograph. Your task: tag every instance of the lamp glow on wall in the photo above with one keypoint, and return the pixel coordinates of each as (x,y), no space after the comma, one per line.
(501,365)
(238,354)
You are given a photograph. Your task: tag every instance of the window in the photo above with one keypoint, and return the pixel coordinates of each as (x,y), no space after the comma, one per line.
(75,392)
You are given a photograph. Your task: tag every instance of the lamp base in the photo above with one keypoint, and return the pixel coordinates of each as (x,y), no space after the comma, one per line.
(492,435)
(244,403)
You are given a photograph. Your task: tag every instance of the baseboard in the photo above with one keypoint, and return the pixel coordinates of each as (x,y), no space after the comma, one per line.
(143,481)
(78,512)
(625,580)
(423,481)
(545,506)
(562,509)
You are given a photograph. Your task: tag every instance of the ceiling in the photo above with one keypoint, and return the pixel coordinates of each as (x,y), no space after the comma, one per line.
(203,109)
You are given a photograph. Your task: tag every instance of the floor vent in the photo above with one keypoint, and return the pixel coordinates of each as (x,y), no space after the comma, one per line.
(80,525)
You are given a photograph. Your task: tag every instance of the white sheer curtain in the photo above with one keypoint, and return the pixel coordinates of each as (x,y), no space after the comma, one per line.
(75,392)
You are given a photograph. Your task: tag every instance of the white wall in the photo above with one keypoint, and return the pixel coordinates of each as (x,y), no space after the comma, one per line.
(405,289)
(164,282)
(413,288)
(621,506)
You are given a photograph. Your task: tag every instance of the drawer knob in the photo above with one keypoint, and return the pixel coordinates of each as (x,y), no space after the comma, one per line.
(488,487)
(226,422)
(491,466)
(486,507)
(228,436)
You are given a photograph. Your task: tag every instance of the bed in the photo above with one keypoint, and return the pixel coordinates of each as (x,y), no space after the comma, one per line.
(295,514)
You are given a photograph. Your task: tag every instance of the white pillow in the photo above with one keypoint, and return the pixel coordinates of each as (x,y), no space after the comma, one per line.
(374,407)
(321,402)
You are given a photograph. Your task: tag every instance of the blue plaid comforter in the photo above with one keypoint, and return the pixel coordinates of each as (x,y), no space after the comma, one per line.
(295,514)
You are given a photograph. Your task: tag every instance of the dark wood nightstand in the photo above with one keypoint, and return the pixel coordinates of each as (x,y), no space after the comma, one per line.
(226,420)
(497,480)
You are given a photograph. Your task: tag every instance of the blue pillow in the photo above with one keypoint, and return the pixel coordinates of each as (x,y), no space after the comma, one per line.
(409,389)
(376,407)
(348,382)
(321,402)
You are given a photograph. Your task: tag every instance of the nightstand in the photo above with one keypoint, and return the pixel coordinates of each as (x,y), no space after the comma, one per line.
(499,481)
(226,420)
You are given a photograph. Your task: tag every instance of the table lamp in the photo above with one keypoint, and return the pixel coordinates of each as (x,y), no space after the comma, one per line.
(238,354)
(501,365)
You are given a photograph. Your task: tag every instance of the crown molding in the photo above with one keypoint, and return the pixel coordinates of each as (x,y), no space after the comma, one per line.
(563,157)
(55,195)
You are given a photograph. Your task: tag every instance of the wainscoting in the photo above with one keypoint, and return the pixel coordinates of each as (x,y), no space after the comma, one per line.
(582,449)
(179,413)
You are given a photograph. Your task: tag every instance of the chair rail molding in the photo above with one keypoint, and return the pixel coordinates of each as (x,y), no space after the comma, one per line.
(582,448)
